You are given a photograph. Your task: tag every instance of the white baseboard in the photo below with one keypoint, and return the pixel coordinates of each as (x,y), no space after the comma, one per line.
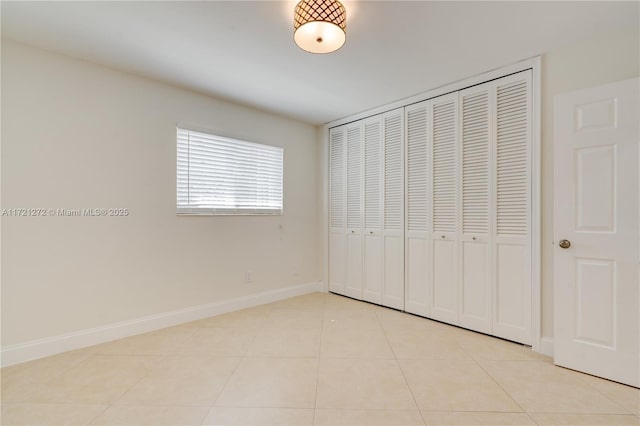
(546,346)
(80,339)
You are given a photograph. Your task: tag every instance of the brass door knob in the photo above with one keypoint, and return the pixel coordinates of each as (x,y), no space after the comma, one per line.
(565,244)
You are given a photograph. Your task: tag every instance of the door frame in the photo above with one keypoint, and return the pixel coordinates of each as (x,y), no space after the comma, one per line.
(592,363)
(539,344)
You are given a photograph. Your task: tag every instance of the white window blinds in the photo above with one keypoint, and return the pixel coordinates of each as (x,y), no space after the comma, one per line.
(217,175)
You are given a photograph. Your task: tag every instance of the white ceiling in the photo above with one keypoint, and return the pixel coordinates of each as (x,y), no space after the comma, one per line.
(243,51)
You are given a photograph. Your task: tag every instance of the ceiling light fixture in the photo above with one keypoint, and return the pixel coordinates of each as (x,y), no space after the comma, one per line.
(319,26)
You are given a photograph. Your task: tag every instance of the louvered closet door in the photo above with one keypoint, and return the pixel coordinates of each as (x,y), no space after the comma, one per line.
(475,161)
(337,210)
(393,208)
(373,244)
(354,211)
(512,220)
(417,214)
(444,289)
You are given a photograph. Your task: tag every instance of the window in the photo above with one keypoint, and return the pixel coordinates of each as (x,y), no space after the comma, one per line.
(217,175)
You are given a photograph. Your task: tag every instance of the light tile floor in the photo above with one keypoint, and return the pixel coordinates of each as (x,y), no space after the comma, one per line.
(318,359)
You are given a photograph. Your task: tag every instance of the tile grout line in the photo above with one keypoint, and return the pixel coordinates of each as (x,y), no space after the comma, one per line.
(593,387)
(532,419)
(160,358)
(315,404)
(581,380)
(88,356)
(242,359)
(472,358)
(424,421)
(574,413)
(111,404)
(503,389)
(97,416)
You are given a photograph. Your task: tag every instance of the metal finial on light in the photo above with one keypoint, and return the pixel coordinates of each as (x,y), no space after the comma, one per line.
(319,25)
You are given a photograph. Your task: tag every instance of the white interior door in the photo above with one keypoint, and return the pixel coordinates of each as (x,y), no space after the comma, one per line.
(417,214)
(373,253)
(337,211)
(597,252)
(393,140)
(444,287)
(355,264)
(475,207)
(513,208)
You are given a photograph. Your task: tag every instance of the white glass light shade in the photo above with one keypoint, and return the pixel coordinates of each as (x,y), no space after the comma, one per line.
(319,25)
(319,37)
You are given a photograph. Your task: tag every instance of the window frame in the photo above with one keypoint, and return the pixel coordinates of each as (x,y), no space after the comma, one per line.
(215,211)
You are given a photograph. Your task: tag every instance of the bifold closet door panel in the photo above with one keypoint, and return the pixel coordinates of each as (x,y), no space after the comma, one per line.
(475,201)
(512,220)
(355,264)
(337,262)
(373,259)
(373,241)
(417,237)
(444,200)
(337,210)
(393,224)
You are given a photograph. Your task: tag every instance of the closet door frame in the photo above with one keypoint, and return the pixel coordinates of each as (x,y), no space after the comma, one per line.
(540,343)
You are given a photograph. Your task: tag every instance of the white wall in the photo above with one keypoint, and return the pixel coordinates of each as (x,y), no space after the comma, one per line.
(77,135)
(604,59)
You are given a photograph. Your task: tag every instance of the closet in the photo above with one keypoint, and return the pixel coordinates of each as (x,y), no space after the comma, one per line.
(430,208)
(366,243)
